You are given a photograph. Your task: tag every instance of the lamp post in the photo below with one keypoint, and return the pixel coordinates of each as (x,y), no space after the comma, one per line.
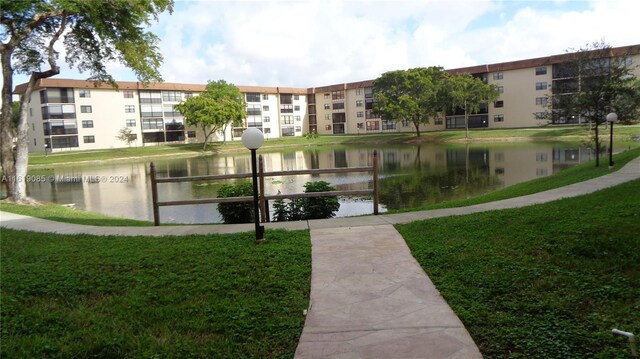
(252,138)
(611,118)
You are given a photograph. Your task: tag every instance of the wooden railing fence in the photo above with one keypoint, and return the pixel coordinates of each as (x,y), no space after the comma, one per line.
(263,198)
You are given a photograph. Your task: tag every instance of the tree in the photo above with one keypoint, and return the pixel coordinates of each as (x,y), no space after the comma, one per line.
(95,33)
(469,93)
(126,135)
(219,105)
(595,82)
(413,95)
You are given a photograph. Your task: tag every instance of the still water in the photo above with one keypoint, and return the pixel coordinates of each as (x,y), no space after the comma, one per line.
(410,176)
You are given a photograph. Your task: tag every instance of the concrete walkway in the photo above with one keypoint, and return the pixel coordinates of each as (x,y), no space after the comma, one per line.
(369,297)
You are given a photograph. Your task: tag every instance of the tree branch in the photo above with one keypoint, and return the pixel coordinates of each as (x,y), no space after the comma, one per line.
(18,36)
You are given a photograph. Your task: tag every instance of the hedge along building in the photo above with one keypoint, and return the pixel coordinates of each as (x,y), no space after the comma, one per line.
(74,114)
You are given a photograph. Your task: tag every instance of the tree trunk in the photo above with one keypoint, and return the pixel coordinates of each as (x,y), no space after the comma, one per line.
(466,121)
(6,125)
(417,125)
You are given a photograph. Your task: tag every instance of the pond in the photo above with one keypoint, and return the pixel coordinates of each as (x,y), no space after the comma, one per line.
(410,176)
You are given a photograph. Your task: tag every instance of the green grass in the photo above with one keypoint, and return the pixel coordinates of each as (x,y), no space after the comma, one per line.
(546,281)
(58,213)
(575,174)
(214,296)
(573,133)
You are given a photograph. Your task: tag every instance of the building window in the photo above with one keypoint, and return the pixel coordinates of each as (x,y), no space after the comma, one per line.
(541,70)
(327,116)
(338,106)
(298,129)
(171,96)
(296,97)
(540,172)
(438,121)
(541,85)
(129,108)
(191,134)
(266,119)
(131,123)
(498,75)
(296,108)
(266,131)
(85,93)
(406,123)
(498,118)
(337,95)
(298,118)
(89,139)
(541,101)
(127,94)
(265,96)
(287,120)
(85,109)
(327,106)
(541,157)
(498,104)
(87,124)
(265,108)
(327,95)
(359,91)
(188,94)
(373,125)
(253,97)
(360,114)
(359,103)
(327,127)
(500,89)
(360,125)
(288,131)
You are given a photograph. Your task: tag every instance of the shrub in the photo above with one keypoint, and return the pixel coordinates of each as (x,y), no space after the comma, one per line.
(307,208)
(319,207)
(240,212)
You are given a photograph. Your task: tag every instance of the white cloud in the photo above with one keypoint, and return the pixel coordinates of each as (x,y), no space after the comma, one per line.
(309,43)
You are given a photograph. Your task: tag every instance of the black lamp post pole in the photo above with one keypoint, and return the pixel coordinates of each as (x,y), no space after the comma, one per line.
(254,170)
(611,144)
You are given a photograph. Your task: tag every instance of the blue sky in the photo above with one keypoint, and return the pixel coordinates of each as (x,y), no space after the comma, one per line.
(307,43)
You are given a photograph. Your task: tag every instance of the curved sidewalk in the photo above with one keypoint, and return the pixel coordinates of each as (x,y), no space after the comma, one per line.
(369,296)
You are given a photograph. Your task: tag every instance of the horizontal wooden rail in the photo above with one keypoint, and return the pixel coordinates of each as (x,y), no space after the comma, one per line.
(263,198)
(202,178)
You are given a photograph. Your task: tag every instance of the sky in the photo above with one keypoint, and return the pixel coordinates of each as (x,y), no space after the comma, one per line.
(313,43)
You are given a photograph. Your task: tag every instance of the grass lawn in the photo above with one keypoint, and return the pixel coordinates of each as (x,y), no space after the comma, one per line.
(216,296)
(547,281)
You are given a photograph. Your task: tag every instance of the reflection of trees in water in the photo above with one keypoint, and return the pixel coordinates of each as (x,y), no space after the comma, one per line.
(418,188)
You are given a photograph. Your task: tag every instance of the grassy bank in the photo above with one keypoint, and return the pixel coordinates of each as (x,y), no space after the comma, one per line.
(58,213)
(215,296)
(571,175)
(622,136)
(547,281)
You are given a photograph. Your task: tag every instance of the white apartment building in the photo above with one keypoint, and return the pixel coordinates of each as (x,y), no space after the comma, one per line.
(74,114)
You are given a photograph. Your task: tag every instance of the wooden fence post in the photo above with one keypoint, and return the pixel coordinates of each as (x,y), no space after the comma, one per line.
(375,181)
(263,212)
(154,195)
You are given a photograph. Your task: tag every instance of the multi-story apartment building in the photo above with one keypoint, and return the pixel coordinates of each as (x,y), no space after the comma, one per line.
(75,114)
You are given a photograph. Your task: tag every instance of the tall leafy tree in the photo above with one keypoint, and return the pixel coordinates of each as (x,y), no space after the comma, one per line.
(93,34)
(596,82)
(218,106)
(469,93)
(413,95)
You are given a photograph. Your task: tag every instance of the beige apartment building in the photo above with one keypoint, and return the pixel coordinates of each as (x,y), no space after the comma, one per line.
(74,114)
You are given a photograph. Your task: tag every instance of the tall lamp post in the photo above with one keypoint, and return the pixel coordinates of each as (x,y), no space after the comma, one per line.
(611,118)
(252,138)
